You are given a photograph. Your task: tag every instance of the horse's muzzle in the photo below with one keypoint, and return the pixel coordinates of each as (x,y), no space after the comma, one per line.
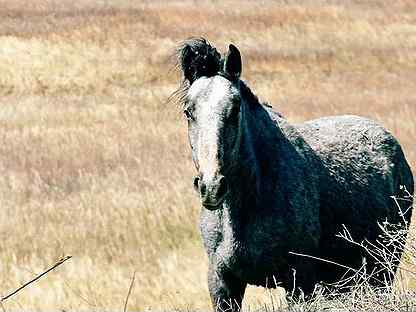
(212,193)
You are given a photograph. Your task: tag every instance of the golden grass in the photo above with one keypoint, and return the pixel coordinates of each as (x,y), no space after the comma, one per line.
(94,162)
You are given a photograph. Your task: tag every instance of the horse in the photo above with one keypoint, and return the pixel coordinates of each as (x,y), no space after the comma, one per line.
(270,189)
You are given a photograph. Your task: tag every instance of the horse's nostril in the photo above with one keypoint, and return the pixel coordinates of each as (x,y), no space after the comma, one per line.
(212,192)
(196,183)
(222,187)
(202,189)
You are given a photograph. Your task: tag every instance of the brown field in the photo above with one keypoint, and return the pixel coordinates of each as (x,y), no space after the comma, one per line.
(95,162)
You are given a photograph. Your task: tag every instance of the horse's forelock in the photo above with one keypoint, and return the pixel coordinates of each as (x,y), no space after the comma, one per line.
(197,58)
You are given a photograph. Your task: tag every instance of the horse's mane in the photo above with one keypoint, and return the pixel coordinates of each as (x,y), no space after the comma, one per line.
(196,58)
(249,96)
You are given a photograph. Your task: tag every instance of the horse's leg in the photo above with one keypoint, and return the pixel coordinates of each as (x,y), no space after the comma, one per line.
(226,290)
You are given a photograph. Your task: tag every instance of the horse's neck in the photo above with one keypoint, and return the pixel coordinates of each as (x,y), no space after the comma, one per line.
(256,176)
(262,141)
(242,198)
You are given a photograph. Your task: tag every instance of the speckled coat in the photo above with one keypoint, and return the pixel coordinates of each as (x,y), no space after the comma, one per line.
(299,185)
(293,188)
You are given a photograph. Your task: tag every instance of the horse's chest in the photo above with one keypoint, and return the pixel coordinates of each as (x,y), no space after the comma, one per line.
(249,262)
(251,252)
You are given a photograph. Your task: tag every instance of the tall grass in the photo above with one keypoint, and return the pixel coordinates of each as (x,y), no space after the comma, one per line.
(95,163)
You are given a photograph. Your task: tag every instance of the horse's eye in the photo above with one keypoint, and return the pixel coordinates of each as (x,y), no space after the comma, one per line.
(188,114)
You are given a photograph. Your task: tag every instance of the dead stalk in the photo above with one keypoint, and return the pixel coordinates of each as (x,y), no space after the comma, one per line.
(58,263)
(129,292)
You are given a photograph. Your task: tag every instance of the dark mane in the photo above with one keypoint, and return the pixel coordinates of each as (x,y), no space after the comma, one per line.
(249,95)
(253,100)
(197,58)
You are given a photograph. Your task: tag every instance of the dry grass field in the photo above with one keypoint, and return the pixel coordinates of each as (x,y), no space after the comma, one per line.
(95,162)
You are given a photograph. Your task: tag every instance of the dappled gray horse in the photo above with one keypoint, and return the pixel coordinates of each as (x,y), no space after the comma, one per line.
(269,187)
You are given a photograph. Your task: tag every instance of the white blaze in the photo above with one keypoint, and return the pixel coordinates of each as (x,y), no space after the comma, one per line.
(210,109)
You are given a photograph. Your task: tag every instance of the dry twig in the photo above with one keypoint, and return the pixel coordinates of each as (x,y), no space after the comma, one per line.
(58,263)
(129,292)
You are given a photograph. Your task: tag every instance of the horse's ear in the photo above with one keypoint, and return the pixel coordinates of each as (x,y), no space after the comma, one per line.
(232,63)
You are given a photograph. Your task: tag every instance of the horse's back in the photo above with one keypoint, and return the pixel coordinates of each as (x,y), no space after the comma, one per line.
(359,155)
(363,165)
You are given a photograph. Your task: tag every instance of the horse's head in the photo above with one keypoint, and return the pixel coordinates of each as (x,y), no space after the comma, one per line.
(213,108)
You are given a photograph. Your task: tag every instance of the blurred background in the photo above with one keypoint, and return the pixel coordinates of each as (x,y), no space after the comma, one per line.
(94,159)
